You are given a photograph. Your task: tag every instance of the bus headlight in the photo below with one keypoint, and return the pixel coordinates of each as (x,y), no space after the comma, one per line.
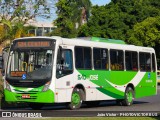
(8,86)
(46,87)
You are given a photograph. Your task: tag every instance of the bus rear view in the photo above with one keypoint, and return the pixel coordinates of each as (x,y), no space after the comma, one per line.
(29,71)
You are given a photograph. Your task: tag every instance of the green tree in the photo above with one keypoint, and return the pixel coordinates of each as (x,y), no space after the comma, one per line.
(146,33)
(65,26)
(10,31)
(24,10)
(86,4)
(118,17)
(16,13)
(69,14)
(105,22)
(135,21)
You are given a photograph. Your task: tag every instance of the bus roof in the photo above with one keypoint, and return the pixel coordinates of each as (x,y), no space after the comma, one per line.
(107,40)
(95,42)
(109,45)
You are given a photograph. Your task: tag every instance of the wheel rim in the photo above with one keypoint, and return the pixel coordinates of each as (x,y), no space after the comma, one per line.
(129,96)
(75,98)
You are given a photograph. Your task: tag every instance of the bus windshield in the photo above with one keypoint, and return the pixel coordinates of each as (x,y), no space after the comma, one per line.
(30,64)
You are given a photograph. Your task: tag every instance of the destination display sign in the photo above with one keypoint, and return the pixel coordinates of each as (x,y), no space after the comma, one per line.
(33,44)
(17,73)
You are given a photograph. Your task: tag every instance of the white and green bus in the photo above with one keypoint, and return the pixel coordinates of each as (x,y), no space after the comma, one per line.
(59,70)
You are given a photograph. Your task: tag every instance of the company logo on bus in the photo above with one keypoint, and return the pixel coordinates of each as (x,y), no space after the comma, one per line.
(90,77)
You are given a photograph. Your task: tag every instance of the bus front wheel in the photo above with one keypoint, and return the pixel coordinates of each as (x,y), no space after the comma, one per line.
(128,97)
(76,99)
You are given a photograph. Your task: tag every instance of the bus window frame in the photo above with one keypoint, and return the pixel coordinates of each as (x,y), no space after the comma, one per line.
(137,60)
(101,61)
(122,60)
(153,56)
(91,56)
(61,58)
(145,61)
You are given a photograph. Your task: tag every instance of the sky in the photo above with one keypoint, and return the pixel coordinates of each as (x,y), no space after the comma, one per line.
(100,2)
(94,2)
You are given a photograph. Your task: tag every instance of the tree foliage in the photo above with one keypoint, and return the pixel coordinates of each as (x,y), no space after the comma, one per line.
(118,19)
(65,26)
(134,21)
(146,33)
(24,10)
(14,14)
(69,14)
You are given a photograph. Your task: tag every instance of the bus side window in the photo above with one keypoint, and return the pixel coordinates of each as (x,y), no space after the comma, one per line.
(145,61)
(148,62)
(153,63)
(116,58)
(68,63)
(142,61)
(64,64)
(96,58)
(83,58)
(79,57)
(100,56)
(131,61)
(104,58)
(87,58)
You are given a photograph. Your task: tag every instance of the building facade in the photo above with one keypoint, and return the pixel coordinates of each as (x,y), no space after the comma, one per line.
(41,28)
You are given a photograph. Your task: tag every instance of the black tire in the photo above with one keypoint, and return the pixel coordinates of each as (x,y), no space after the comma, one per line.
(3,103)
(119,102)
(76,99)
(36,106)
(92,103)
(128,97)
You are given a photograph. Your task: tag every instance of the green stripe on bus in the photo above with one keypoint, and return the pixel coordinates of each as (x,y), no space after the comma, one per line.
(111,93)
(145,87)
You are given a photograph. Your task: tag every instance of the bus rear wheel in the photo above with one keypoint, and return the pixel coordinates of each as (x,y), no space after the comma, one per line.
(76,99)
(36,106)
(128,98)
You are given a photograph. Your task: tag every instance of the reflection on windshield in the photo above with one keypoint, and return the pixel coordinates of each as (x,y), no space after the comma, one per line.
(31,64)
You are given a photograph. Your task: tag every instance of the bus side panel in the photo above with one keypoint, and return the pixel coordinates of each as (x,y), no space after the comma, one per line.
(99,85)
(63,95)
(98,93)
(102,94)
(64,88)
(147,86)
(91,94)
(112,84)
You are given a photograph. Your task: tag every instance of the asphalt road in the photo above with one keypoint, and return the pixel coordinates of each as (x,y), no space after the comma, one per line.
(150,104)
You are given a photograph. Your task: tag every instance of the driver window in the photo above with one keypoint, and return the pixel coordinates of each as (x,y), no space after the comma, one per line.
(64,63)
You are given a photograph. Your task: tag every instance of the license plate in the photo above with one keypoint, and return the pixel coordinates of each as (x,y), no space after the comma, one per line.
(24,96)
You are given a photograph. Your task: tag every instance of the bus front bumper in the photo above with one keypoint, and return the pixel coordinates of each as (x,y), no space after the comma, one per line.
(40,97)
